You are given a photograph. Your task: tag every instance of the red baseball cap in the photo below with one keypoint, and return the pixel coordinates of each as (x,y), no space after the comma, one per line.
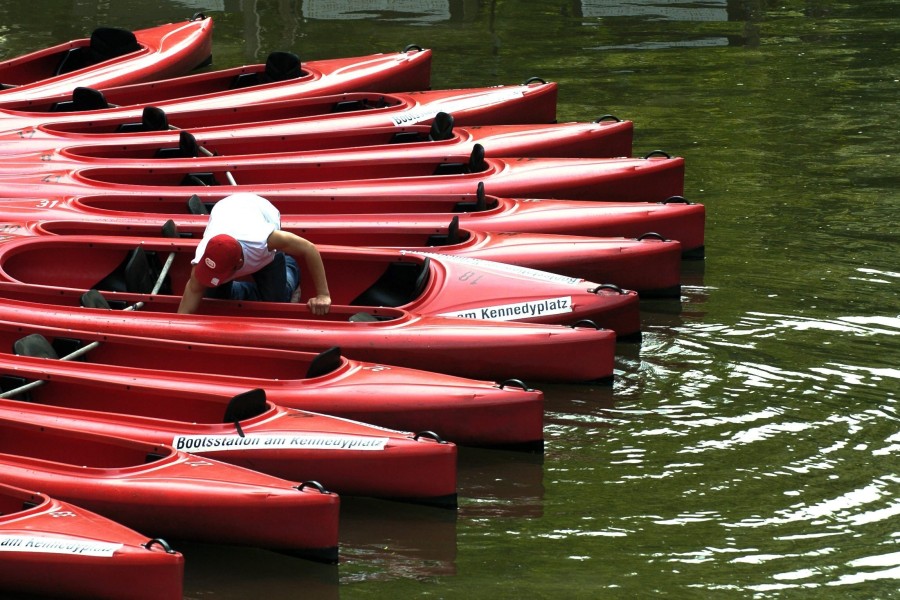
(220,259)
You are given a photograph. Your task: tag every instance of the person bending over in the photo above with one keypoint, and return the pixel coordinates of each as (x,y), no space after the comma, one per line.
(244,239)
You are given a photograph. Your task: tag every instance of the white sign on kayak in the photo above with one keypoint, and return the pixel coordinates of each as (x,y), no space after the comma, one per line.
(500,267)
(50,545)
(518,310)
(411,117)
(217,443)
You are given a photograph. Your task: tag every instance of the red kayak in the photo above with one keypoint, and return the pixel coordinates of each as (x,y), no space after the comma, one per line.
(348,457)
(281,77)
(54,548)
(581,140)
(650,179)
(494,350)
(650,264)
(464,411)
(424,283)
(160,491)
(395,116)
(110,57)
(675,218)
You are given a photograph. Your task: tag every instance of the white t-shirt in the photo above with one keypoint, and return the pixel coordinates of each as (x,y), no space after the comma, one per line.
(248,218)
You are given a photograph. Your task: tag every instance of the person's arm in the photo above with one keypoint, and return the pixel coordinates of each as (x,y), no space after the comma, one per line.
(193,294)
(301,248)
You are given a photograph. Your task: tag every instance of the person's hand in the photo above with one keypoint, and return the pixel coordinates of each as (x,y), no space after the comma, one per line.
(319,305)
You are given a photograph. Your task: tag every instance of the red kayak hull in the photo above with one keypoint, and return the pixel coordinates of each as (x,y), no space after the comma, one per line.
(424,283)
(676,220)
(348,457)
(368,173)
(382,72)
(578,140)
(54,548)
(163,492)
(650,265)
(165,51)
(317,121)
(495,350)
(464,411)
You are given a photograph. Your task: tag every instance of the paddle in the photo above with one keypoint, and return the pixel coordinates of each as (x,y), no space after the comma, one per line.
(33,346)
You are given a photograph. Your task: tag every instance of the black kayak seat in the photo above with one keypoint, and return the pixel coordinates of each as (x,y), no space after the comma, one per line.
(94,299)
(475,164)
(137,273)
(197,206)
(187,147)
(401,283)
(34,345)
(478,205)
(204,179)
(280,66)
(153,118)
(324,362)
(363,317)
(83,99)
(441,127)
(105,43)
(245,406)
(448,239)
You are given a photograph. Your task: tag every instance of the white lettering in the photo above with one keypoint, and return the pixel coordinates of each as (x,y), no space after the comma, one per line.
(519,310)
(49,545)
(324,441)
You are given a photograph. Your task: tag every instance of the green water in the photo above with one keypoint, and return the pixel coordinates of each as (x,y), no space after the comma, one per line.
(749,446)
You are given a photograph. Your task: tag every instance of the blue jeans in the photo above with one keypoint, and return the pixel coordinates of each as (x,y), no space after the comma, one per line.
(273,283)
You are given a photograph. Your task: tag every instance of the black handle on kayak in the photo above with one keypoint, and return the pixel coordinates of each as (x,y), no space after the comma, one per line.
(606,286)
(429,434)
(312,483)
(517,383)
(163,544)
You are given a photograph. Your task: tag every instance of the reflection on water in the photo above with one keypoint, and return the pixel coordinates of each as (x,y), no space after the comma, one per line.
(669,10)
(418,11)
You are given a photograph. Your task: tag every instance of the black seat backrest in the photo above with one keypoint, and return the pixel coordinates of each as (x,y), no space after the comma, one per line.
(110,42)
(282,66)
(448,239)
(324,363)
(106,43)
(476,164)
(197,206)
(137,273)
(83,98)
(478,205)
(34,345)
(153,118)
(140,274)
(245,406)
(187,147)
(441,127)
(401,283)
(94,299)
